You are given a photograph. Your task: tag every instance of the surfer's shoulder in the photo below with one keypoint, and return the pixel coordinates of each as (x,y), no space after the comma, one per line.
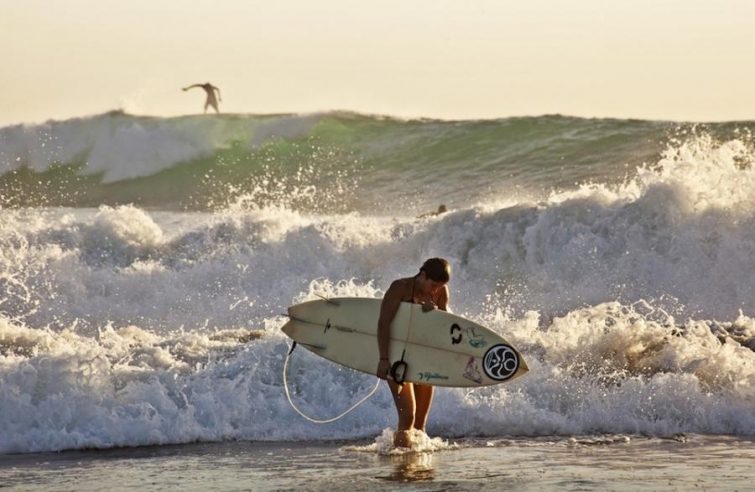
(401,286)
(442,298)
(404,283)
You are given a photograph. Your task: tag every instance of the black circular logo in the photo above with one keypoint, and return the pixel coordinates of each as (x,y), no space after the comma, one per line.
(500,362)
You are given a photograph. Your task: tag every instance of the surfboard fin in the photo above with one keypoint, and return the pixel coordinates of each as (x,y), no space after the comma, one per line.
(328,300)
(313,346)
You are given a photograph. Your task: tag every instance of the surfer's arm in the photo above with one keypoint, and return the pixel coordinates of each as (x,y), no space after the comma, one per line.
(218,90)
(388,309)
(192,86)
(443,299)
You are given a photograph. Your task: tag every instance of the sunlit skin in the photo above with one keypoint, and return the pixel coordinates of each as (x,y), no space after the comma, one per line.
(413,400)
(211,100)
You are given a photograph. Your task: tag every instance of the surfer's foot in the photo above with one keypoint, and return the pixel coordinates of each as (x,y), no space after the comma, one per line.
(402,439)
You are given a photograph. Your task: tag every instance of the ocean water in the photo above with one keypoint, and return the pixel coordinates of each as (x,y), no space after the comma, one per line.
(145,263)
(616,463)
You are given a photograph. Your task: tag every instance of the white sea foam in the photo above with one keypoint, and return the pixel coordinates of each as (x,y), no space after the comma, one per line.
(419,442)
(129,386)
(632,304)
(122,147)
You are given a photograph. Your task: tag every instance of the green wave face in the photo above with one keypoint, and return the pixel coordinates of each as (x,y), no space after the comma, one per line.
(335,162)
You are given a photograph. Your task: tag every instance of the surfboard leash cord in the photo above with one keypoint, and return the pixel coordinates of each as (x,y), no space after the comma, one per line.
(313,420)
(398,369)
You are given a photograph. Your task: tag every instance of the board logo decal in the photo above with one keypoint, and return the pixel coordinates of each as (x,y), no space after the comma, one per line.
(500,362)
(455,328)
(474,340)
(427,376)
(472,371)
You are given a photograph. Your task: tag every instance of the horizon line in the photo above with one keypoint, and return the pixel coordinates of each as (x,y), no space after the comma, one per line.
(374,115)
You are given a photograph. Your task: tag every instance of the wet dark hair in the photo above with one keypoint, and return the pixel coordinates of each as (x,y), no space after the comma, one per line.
(437,269)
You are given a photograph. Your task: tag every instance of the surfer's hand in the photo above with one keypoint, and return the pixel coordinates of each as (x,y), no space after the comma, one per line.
(428,306)
(383,369)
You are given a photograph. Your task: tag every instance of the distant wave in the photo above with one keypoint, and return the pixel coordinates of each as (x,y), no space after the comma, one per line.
(202,162)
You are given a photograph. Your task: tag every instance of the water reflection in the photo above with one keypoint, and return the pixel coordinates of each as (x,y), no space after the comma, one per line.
(412,467)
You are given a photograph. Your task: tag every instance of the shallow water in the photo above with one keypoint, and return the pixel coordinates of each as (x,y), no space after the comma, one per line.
(582,463)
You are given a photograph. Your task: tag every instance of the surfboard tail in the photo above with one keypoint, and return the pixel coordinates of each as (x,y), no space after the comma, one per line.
(287,329)
(522,364)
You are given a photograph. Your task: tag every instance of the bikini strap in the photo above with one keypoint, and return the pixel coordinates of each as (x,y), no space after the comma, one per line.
(414,285)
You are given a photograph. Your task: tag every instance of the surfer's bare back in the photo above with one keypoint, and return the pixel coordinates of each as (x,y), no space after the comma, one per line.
(211,99)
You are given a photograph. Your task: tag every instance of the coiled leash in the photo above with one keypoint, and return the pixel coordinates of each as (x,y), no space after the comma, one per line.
(398,369)
(317,421)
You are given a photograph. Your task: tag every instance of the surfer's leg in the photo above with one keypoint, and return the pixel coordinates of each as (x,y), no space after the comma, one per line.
(423,394)
(211,102)
(405,406)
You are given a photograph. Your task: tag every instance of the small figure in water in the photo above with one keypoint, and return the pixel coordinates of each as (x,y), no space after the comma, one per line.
(441,210)
(210,90)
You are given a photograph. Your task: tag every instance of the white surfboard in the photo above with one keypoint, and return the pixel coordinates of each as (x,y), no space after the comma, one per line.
(439,348)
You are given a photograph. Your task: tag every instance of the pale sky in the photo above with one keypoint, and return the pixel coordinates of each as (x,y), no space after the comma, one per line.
(688,60)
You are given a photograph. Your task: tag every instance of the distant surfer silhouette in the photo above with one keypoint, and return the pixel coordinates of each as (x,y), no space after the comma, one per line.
(211,99)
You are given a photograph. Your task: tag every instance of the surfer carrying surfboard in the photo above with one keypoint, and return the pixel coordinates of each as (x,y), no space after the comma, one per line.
(428,288)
